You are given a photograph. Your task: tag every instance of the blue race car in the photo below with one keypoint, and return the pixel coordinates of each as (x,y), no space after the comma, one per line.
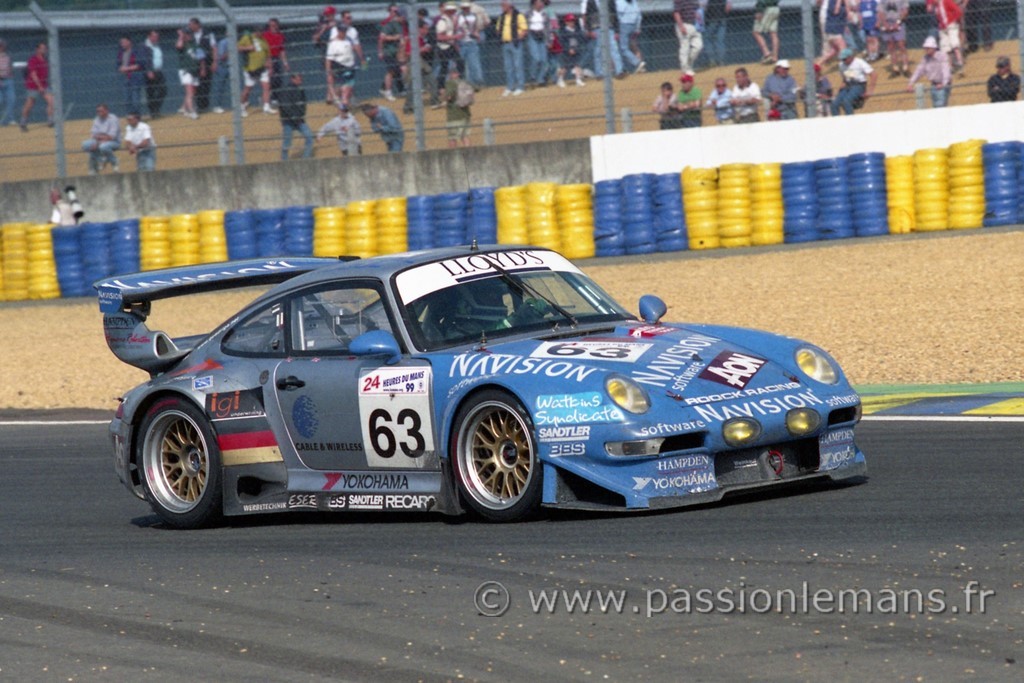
(497,379)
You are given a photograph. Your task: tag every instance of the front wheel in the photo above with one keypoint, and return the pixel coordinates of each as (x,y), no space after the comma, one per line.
(495,457)
(181,466)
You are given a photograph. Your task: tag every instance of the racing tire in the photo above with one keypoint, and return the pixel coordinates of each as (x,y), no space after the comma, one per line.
(180,464)
(494,458)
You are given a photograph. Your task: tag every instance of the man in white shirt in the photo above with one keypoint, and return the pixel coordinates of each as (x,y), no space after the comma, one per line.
(138,136)
(859,83)
(746,98)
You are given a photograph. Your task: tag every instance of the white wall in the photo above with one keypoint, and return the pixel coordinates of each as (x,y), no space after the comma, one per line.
(894,133)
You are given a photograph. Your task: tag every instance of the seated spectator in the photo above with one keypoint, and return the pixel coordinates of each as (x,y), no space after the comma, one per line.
(780,90)
(104,140)
(573,41)
(935,69)
(688,101)
(664,107)
(721,101)
(858,83)
(141,145)
(746,98)
(347,129)
(823,91)
(1003,85)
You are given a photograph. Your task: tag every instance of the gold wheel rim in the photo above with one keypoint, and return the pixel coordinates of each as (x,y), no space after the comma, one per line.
(177,461)
(498,456)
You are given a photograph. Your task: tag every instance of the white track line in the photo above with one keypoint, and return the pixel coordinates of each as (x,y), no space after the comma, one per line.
(944,418)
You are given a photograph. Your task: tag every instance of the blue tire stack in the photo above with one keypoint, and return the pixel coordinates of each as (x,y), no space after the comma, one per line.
(1003,199)
(240,232)
(638,212)
(94,241)
(298,231)
(483,216)
(450,219)
(835,212)
(608,236)
(419,214)
(124,246)
(669,219)
(269,232)
(800,202)
(67,254)
(865,175)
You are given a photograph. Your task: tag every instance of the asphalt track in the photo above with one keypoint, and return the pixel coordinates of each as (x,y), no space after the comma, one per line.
(92,588)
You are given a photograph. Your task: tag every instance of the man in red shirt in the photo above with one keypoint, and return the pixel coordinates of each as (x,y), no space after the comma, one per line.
(278,57)
(948,15)
(37,84)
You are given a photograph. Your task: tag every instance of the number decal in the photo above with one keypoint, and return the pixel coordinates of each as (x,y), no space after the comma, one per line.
(382,436)
(395,412)
(413,432)
(611,350)
(377,431)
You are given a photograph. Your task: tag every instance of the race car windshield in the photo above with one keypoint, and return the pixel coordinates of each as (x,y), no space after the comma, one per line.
(501,306)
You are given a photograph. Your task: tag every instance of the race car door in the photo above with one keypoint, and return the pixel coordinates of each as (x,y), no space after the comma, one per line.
(344,412)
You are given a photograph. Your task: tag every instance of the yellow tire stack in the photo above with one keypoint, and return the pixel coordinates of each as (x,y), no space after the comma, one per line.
(510,204)
(700,204)
(966,185)
(361,228)
(766,209)
(14,239)
(541,218)
(42,268)
(734,205)
(154,242)
(184,239)
(392,226)
(329,231)
(931,189)
(213,243)
(575,210)
(899,188)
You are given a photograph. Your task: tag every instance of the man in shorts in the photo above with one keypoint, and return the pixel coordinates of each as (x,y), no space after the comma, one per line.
(257,69)
(344,55)
(893,29)
(37,84)
(948,15)
(188,71)
(766,20)
(458,117)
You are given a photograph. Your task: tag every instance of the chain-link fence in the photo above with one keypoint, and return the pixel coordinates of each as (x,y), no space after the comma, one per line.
(541,72)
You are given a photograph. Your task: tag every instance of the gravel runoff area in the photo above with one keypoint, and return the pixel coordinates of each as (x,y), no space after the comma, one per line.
(911,309)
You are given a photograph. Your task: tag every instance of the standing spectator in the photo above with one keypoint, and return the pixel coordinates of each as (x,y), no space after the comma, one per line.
(156,84)
(766,20)
(132,65)
(384,122)
(935,69)
(458,113)
(104,140)
(188,71)
(390,50)
(291,101)
(471,35)
(716,14)
(780,88)
(347,130)
(746,98)
(511,30)
(590,19)
(446,31)
(684,13)
(721,101)
(1003,85)
(978,22)
(572,39)
(892,27)
(278,63)
(664,107)
(869,28)
(688,102)
(327,21)
(424,41)
(630,17)
(948,15)
(6,85)
(220,90)
(37,84)
(257,69)
(853,27)
(835,23)
(141,145)
(344,56)
(537,43)
(206,56)
(858,83)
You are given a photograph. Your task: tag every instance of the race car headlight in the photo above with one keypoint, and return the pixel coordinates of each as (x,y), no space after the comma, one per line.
(740,431)
(627,394)
(816,365)
(800,421)
(646,447)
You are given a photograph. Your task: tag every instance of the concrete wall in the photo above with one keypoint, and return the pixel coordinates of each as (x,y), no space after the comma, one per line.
(319,182)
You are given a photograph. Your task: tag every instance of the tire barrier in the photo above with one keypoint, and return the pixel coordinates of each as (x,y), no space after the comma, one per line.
(392,226)
(329,231)
(361,229)
(510,203)
(766,208)
(94,242)
(483,216)
(184,235)
(669,219)
(734,225)
(899,187)
(154,242)
(240,233)
(931,190)
(67,256)
(609,239)
(269,232)
(42,269)
(700,206)
(966,185)
(213,243)
(541,218)
(14,243)
(419,212)
(298,231)
(799,202)
(637,193)
(866,183)
(449,219)
(1002,163)
(575,213)
(835,211)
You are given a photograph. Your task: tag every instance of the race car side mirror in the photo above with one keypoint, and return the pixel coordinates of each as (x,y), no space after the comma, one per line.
(376,343)
(652,308)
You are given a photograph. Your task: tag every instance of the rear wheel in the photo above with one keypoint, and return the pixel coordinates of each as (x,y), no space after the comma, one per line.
(495,457)
(181,466)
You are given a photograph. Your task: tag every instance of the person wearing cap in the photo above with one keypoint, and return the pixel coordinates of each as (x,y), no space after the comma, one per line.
(1003,85)
(470,32)
(291,100)
(823,91)
(447,39)
(347,130)
(892,27)
(321,35)
(720,100)
(766,20)
(780,89)
(688,101)
(858,83)
(6,85)
(385,123)
(836,12)
(138,137)
(573,42)
(746,98)
(934,68)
